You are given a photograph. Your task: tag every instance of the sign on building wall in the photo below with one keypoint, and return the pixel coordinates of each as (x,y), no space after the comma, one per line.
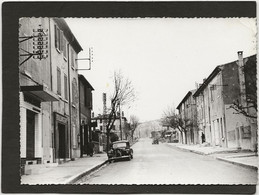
(40,43)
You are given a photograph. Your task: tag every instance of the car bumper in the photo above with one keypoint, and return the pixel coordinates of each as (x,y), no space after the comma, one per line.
(120,157)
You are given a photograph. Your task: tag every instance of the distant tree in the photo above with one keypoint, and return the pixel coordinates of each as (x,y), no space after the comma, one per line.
(171,119)
(134,122)
(123,93)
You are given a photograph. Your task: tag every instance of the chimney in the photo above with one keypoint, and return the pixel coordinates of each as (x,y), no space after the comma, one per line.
(240,58)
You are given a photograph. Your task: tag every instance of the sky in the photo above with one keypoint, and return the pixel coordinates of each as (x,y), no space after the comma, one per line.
(163,57)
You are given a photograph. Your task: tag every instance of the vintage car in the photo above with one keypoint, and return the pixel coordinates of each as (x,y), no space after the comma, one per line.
(155,141)
(120,150)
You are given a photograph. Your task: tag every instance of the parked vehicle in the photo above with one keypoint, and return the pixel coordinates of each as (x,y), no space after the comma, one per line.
(155,141)
(120,150)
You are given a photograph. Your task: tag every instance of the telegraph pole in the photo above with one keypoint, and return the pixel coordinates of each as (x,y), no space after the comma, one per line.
(120,120)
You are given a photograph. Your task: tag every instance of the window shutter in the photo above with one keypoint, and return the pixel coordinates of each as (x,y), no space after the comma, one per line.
(61,41)
(56,37)
(58,81)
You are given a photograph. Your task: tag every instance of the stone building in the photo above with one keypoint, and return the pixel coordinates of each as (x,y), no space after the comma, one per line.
(221,124)
(49,101)
(86,106)
(188,114)
(118,131)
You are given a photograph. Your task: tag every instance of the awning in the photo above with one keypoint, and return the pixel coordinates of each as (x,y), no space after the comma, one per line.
(40,92)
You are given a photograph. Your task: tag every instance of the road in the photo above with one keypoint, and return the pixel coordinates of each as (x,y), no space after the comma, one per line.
(160,164)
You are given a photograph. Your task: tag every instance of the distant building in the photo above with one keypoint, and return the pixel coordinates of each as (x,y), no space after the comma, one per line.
(221,124)
(49,106)
(119,129)
(188,114)
(86,106)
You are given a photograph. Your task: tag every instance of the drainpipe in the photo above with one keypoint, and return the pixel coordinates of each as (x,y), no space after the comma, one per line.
(80,125)
(51,103)
(69,102)
(241,77)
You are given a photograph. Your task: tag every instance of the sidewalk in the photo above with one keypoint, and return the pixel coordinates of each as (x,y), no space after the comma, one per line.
(243,158)
(66,173)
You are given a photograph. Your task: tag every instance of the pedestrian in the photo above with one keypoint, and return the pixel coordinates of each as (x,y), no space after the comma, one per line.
(202,137)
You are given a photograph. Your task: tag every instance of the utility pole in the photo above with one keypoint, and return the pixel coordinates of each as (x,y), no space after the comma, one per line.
(120,121)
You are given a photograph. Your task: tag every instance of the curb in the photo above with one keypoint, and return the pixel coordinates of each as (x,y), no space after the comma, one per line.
(237,163)
(188,150)
(80,175)
(218,158)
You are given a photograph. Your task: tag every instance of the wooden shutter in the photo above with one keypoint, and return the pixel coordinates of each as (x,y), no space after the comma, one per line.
(56,36)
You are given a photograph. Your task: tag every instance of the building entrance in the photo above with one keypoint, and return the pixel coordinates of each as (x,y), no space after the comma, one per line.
(62,141)
(30,135)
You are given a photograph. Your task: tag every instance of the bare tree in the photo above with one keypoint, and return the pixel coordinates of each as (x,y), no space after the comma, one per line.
(123,93)
(173,120)
(134,122)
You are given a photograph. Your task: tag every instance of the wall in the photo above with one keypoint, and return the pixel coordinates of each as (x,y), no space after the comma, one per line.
(35,72)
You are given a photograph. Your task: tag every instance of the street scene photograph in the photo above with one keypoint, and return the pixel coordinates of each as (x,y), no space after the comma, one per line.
(124,101)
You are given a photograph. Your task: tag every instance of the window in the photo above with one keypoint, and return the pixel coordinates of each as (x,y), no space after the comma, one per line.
(211,94)
(58,39)
(101,128)
(61,41)
(65,86)
(74,91)
(58,81)
(85,95)
(65,48)
(72,59)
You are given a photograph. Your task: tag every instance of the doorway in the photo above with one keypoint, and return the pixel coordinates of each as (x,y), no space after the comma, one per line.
(61,141)
(30,135)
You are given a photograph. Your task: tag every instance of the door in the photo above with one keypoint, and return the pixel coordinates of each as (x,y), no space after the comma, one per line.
(86,134)
(62,141)
(30,135)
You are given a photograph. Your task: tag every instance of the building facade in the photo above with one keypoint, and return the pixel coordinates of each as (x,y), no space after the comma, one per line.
(49,99)
(119,130)
(86,106)
(187,111)
(219,122)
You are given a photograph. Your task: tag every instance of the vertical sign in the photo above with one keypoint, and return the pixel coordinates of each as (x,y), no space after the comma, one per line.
(40,43)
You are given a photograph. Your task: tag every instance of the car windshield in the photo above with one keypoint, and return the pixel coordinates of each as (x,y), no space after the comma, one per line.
(119,145)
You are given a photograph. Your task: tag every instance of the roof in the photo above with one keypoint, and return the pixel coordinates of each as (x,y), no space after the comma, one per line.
(207,81)
(212,75)
(83,79)
(68,34)
(185,98)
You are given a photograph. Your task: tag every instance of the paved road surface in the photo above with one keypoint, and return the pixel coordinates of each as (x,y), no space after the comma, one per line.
(160,164)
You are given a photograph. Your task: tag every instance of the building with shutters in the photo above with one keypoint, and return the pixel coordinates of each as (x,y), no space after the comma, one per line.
(188,114)
(49,98)
(221,124)
(85,107)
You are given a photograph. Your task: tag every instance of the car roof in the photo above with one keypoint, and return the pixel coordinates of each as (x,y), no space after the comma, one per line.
(121,141)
